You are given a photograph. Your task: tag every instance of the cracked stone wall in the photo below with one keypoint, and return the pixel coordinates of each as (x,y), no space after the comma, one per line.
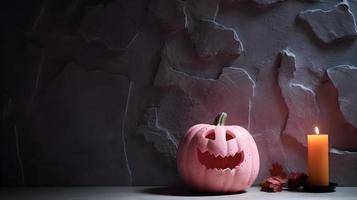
(99,92)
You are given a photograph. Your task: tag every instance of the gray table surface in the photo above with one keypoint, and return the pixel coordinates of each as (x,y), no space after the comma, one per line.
(160,193)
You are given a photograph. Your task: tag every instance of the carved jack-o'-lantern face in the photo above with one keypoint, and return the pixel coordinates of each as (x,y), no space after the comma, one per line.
(218,158)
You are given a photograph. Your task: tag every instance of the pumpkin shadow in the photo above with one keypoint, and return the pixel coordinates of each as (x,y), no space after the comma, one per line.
(175,190)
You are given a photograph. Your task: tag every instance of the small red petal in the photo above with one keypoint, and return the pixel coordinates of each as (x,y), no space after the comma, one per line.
(297,180)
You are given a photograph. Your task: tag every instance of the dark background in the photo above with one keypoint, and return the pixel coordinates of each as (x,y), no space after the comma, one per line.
(100,92)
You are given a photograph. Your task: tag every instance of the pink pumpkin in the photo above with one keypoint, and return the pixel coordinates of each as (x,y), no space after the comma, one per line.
(218,158)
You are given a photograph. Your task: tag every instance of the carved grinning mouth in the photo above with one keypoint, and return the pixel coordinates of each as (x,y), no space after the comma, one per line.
(211,161)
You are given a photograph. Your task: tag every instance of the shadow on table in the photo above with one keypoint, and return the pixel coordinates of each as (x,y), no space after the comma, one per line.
(178,191)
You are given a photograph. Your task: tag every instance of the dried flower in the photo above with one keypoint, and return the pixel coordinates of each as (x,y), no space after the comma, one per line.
(278,179)
(272,184)
(297,180)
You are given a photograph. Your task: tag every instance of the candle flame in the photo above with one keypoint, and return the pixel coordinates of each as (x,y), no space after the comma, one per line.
(317,130)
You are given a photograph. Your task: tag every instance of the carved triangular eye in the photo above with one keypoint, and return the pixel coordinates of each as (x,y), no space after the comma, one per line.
(229,136)
(211,136)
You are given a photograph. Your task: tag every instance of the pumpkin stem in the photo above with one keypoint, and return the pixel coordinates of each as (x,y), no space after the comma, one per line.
(220,119)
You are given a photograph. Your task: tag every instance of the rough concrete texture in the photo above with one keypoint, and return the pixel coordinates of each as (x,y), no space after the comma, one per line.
(298,87)
(343,78)
(101,92)
(330,25)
